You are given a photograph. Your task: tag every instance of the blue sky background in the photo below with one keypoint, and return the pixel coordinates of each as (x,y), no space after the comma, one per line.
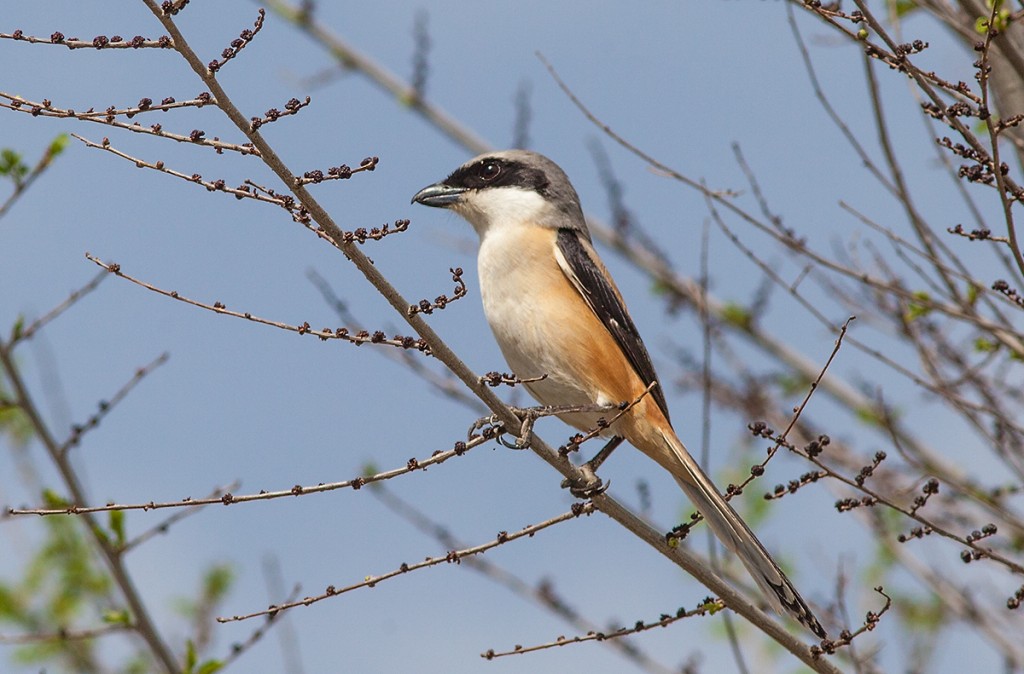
(243,402)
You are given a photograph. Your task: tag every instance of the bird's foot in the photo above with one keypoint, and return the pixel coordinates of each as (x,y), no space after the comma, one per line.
(491,426)
(588,485)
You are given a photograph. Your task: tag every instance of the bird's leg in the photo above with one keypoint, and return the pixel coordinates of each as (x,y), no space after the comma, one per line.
(480,424)
(527,416)
(605,452)
(591,484)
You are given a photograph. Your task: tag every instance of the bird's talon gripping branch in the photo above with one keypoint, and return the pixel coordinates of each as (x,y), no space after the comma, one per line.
(488,426)
(528,416)
(491,426)
(589,486)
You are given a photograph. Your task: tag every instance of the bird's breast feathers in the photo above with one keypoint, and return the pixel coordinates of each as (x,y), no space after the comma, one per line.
(542,324)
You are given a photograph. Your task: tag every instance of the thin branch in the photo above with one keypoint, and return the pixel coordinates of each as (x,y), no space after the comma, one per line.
(219,185)
(710,606)
(145,627)
(542,595)
(344,334)
(107,406)
(108,116)
(164,526)
(66,634)
(228,498)
(21,185)
(35,326)
(98,42)
(452,557)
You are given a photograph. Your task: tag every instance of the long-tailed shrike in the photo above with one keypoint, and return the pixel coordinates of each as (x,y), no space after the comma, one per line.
(555,311)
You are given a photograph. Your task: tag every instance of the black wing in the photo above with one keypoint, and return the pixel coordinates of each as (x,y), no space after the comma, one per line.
(602,298)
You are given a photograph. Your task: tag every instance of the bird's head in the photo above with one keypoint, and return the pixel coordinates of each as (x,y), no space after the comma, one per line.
(507,188)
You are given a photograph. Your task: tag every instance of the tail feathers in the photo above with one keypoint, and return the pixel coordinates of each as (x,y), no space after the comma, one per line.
(740,540)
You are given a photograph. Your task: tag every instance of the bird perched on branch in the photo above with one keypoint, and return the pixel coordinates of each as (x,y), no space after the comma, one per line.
(556,311)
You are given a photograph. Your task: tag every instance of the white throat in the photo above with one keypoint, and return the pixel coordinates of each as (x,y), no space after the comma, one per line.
(502,207)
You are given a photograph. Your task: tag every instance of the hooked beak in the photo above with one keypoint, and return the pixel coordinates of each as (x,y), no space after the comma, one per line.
(439,195)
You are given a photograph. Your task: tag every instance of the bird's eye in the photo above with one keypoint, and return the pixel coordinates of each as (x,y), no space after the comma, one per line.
(489,171)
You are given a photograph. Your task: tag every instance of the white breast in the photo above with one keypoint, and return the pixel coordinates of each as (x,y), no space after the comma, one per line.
(517,269)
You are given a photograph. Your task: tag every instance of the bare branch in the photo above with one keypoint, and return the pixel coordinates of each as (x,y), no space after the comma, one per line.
(228,498)
(452,557)
(709,606)
(358,338)
(107,406)
(98,42)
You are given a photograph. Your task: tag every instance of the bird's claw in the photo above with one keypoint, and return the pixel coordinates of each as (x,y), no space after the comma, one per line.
(588,486)
(491,422)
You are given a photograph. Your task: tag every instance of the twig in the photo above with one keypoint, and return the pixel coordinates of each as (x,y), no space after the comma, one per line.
(21,185)
(143,622)
(165,525)
(452,557)
(228,498)
(710,606)
(358,338)
(28,331)
(108,116)
(846,637)
(98,42)
(107,406)
(541,594)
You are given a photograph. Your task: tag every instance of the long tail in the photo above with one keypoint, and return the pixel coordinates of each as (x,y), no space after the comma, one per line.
(737,536)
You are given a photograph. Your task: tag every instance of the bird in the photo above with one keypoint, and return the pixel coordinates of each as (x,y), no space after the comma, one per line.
(561,324)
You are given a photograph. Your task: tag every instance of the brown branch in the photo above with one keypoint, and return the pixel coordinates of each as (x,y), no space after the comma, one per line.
(709,606)
(105,407)
(1002,183)
(66,634)
(542,594)
(98,42)
(442,300)
(22,184)
(108,117)
(143,622)
(452,557)
(238,44)
(344,334)
(228,498)
(35,326)
(164,526)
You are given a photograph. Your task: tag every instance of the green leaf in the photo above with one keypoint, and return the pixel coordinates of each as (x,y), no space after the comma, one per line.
(737,315)
(53,500)
(984,345)
(873,417)
(791,384)
(712,607)
(919,306)
(12,166)
(15,424)
(210,666)
(217,582)
(19,326)
(190,657)
(901,8)
(116,523)
(58,145)
(972,294)
(117,617)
